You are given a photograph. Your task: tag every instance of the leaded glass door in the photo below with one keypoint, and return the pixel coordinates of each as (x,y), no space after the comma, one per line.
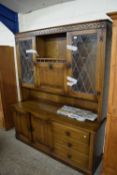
(26,61)
(83,48)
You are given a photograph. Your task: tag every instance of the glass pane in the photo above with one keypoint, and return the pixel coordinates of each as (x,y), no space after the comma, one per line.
(84,62)
(26,61)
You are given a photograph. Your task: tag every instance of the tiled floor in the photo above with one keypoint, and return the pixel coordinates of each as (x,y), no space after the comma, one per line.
(16,158)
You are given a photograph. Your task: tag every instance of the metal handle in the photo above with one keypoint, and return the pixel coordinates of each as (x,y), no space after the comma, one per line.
(69,145)
(68,133)
(69,156)
(50,66)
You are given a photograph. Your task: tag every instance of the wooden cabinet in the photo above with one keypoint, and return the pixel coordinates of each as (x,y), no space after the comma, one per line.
(33,129)
(110,157)
(75,143)
(80,52)
(8,87)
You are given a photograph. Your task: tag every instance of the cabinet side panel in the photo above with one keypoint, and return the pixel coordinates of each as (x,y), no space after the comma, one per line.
(107,70)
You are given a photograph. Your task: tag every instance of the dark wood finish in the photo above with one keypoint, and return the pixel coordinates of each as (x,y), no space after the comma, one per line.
(110,158)
(51,67)
(67,28)
(78,144)
(53,46)
(7,84)
(46,76)
(86,104)
(41,132)
(66,139)
(1,114)
(22,123)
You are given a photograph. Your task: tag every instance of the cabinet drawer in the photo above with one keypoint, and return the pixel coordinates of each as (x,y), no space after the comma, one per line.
(68,133)
(72,157)
(71,144)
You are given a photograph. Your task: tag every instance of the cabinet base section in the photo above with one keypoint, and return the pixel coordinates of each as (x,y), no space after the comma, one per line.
(50,153)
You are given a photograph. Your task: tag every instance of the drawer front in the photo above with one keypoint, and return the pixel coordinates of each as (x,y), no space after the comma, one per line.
(69,143)
(68,133)
(71,157)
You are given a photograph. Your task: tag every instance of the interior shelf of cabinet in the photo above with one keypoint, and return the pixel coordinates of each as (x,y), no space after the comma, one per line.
(51,46)
(53,60)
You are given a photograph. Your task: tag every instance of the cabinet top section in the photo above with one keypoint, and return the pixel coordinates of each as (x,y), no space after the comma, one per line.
(66,28)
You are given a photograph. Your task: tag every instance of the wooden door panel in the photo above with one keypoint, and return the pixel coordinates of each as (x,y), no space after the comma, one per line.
(22,125)
(111,144)
(42,132)
(7,84)
(113,91)
(38,132)
(51,77)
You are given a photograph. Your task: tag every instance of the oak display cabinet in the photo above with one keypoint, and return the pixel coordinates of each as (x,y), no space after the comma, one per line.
(80,51)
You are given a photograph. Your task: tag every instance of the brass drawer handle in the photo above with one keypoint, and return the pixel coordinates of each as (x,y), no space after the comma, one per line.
(69,145)
(68,133)
(69,156)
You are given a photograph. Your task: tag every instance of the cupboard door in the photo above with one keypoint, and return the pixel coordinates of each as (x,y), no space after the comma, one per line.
(22,125)
(51,77)
(38,130)
(25,61)
(83,58)
(41,132)
(110,158)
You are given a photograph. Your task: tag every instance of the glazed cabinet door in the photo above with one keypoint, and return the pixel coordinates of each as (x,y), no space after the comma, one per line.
(22,126)
(41,132)
(25,60)
(84,48)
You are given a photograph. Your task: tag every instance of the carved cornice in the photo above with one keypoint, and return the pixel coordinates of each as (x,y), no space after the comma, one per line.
(66,28)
